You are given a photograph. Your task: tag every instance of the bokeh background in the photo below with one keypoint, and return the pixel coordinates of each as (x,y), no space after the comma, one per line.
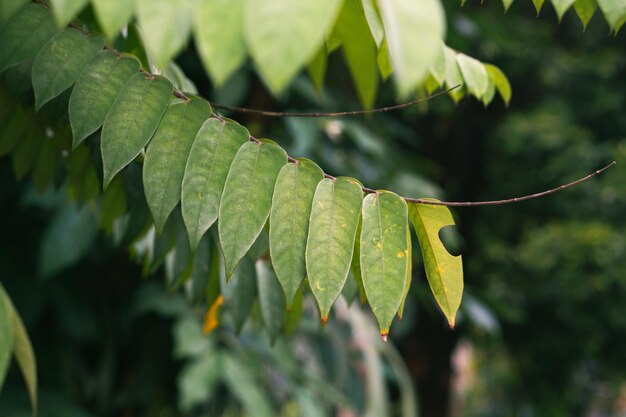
(542,327)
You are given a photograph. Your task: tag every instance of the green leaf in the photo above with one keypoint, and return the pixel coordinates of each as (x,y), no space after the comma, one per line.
(414,30)
(585,10)
(65,10)
(197,380)
(25,152)
(24,34)
(453,75)
(614,11)
(95,91)
(491,91)
(317,68)
(359,50)
(113,15)
(409,272)
(247,198)
(166,156)
(68,238)
(83,182)
(289,222)
(212,153)
(165,27)
(59,63)
(240,291)
(501,82)
(443,271)
(538,5)
(355,266)
(132,121)
(561,6)
(23,351)
(384,61)
(7,331)
(438,69)
(384,254)
(283,36)
(218,29)
(332,230)
(474,73)
(242,383)
(507,4)
(373,20)
(294,314)
(271,299)
(113,205)
(8,8)
(45,164)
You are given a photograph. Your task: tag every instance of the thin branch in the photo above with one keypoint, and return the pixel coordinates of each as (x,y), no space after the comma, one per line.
(509,200)
(330,114)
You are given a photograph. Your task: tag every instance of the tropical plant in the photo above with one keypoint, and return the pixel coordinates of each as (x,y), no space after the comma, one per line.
(137,127)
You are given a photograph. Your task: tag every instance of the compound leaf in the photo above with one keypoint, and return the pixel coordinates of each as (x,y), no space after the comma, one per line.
(289,222)
(132,121)
(443,271)
(166,156)
(213,150)
(332,230)
(59,63)
(247,198)
(384,254)
(95,91)
(283,36)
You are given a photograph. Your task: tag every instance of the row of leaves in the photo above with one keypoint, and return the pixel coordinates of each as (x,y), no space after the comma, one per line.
(318,227)
(376,38)
(614,11)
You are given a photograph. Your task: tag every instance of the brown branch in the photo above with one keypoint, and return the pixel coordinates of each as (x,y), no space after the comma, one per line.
(509,200)
(246,110)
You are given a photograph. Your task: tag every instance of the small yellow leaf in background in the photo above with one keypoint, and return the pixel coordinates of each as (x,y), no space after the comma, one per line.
(210,320)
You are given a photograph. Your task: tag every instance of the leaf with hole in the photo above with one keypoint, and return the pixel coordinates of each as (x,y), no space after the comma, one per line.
(167,154)
(95,91)
(384,254)
(289,222)
(443,271)
(59,63)
(212,153)
(332,230)
(132,120)
(247,198)
(24,34)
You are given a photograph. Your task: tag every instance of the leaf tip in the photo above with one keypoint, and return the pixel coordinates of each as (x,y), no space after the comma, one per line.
(324,320)
(451,323)
(384,335)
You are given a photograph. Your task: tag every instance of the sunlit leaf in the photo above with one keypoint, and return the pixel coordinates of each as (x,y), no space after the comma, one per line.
(332,231)
(283,37)
(59,63)
(317,68)
(501,82)
(359,50)
(453,75)
(373,20)
(384,254)
(165,26)
(247,198)
(474,74)
(212,153)
(414,29)
(561,6)
(443,271)
(614,11)
(438,68)
(218,29)
(538,5)
(113,15)
(167,153)
(585,10)
(132,121)
(289,222)
(95,91)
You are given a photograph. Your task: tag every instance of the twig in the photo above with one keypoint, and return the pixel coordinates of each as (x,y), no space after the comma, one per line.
(246,110)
